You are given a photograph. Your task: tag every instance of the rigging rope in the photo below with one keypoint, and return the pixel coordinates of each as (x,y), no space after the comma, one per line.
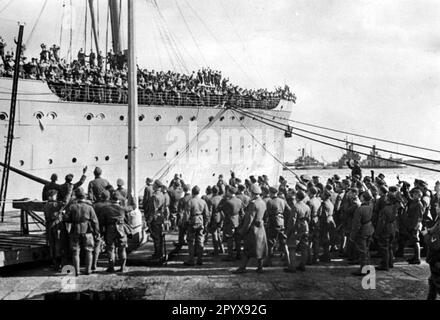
(85,29)
(357,135)
(219,43)
(6,6)
(266,150)
(178,156)
(36,23)
(71,31)
(339,147)
(191,33)
(62,24)
(340,140)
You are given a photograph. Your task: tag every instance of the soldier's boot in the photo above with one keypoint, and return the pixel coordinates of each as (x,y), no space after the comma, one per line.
(191,251)
(111,262)
(416,258)
(259,266)
(221,248)
(89,262)
(123,260)
(200,257)
(242,268)
(75,261)
(230,246)
(95,259)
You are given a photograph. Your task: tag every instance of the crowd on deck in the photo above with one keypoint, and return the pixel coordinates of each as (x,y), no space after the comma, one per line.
(309,223)
(95,77)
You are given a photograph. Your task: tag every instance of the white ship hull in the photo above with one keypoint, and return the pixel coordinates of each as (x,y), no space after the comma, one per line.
(72,135)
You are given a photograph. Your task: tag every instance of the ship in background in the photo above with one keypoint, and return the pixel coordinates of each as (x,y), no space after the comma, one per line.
(371,162)
(57,136)
(305,162)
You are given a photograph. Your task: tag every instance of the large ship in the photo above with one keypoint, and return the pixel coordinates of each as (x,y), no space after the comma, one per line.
(305,162)
(56,134)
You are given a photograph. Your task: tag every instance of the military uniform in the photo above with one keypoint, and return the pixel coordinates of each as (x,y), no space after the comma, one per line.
(232,209)
(253,231)
(276,209)
(314,203)
(155,220)
(197,214)
(298,233)
(432,238)
(66,190)
(326,227)
(385,233)
(115,235)
(96,187)
(216,224)
(348,207)
(100,214)
(84,226)
(362,232)
(181,222)
(54,229)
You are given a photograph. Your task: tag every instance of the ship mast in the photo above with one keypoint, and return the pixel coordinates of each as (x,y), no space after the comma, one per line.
(95,33)
(115,15)
(133,128)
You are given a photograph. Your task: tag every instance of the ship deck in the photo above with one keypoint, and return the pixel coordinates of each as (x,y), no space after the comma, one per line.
(16,248)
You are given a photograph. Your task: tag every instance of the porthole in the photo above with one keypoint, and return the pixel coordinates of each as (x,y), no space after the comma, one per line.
(141,117)
(39,115)
(52,115)
(107,158)
(122,118)
(100,116)
(165,154)
(211,119)
(3,116)
(177,153)
(222,118)
(74,160)
(21,162)
(179,118)
(241,118)
(232,118)
(50,161)
(126,157)
(96,159)
(157,118)
(89,116)
(151,155)
(193,118)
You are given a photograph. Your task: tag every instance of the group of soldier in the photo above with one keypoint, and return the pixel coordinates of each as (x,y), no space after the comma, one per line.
(306,224)
(79,224)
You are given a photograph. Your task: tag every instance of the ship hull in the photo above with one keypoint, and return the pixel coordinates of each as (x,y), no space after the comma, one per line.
(62,137)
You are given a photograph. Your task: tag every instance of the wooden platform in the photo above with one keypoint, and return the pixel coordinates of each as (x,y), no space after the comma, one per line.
(16,248)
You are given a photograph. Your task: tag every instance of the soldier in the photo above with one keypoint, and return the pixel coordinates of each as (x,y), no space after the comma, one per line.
(155,219)
(314,203)
(413,222)
(232,208)
(166,208)
(216,222)
(253,232)
(432,238)
(54,224)
(99,207)
(97,186)
(349,204)
(121,192)
(362,231)
(385,231)
(67,189)
(435,202)
(148,193)
(181,223)
(297,233)
(276,209)
(114,216)
(326,225)
(52,185)
(197,215)
(83,227)
(175,195)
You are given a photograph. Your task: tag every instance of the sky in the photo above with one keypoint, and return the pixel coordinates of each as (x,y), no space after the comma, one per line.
(370,67)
